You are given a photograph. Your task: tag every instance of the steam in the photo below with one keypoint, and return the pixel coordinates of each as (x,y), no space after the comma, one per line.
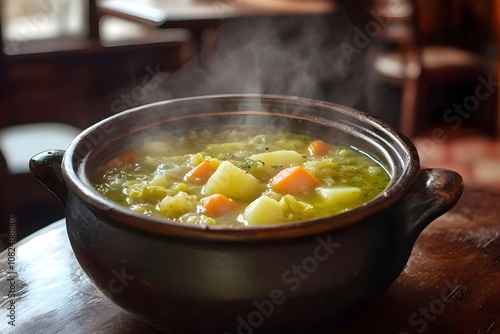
(298,56)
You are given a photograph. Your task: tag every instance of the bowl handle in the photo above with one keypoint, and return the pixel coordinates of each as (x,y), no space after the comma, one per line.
(436,191)
(46,168)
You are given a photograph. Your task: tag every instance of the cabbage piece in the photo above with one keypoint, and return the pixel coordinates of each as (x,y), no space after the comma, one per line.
(297,209)
(175,206)
(145,193)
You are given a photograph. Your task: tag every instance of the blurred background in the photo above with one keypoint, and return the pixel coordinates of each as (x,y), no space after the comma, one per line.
(429,68)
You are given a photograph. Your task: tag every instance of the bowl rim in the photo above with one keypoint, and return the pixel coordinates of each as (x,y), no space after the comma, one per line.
(120,216)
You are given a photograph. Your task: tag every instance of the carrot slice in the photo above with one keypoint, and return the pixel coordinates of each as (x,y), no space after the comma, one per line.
(127,158)
(217,205)
(294,180)
(201,173)
(318,148)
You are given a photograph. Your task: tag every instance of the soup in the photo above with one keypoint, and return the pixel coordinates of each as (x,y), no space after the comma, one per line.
(240,177)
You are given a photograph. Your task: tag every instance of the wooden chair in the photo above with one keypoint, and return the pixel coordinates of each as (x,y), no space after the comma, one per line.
(414,59)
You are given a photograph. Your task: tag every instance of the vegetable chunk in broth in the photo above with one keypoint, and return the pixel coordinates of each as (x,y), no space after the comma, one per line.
(240,177)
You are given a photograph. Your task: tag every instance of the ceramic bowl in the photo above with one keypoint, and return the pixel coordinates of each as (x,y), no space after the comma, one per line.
(273,278)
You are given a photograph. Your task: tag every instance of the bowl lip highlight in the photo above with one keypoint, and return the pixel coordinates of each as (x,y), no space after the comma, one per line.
(79,184)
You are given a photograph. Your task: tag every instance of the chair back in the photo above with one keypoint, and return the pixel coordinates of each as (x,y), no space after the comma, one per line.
(465,24)
(461,23)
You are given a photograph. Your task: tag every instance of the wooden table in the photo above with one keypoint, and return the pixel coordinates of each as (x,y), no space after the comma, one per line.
(185,13)
(202,17)
(451,283)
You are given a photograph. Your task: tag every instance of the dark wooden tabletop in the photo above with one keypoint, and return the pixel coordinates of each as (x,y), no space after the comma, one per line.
(451,283)
(162,13)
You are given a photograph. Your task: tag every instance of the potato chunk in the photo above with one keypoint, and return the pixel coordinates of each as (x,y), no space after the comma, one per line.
(339,194)
(264,210)
(286,158)
(232,182)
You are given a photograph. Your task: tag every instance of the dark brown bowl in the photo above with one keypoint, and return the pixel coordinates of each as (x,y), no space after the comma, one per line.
(289,277)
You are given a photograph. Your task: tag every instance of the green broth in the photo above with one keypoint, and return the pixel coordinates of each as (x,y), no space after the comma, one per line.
(242,179)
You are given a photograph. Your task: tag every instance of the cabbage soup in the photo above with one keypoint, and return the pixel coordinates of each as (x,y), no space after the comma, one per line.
(241,177)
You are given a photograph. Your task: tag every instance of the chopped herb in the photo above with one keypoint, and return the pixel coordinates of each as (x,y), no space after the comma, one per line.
(249,163)
(277,166)
(267,149)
